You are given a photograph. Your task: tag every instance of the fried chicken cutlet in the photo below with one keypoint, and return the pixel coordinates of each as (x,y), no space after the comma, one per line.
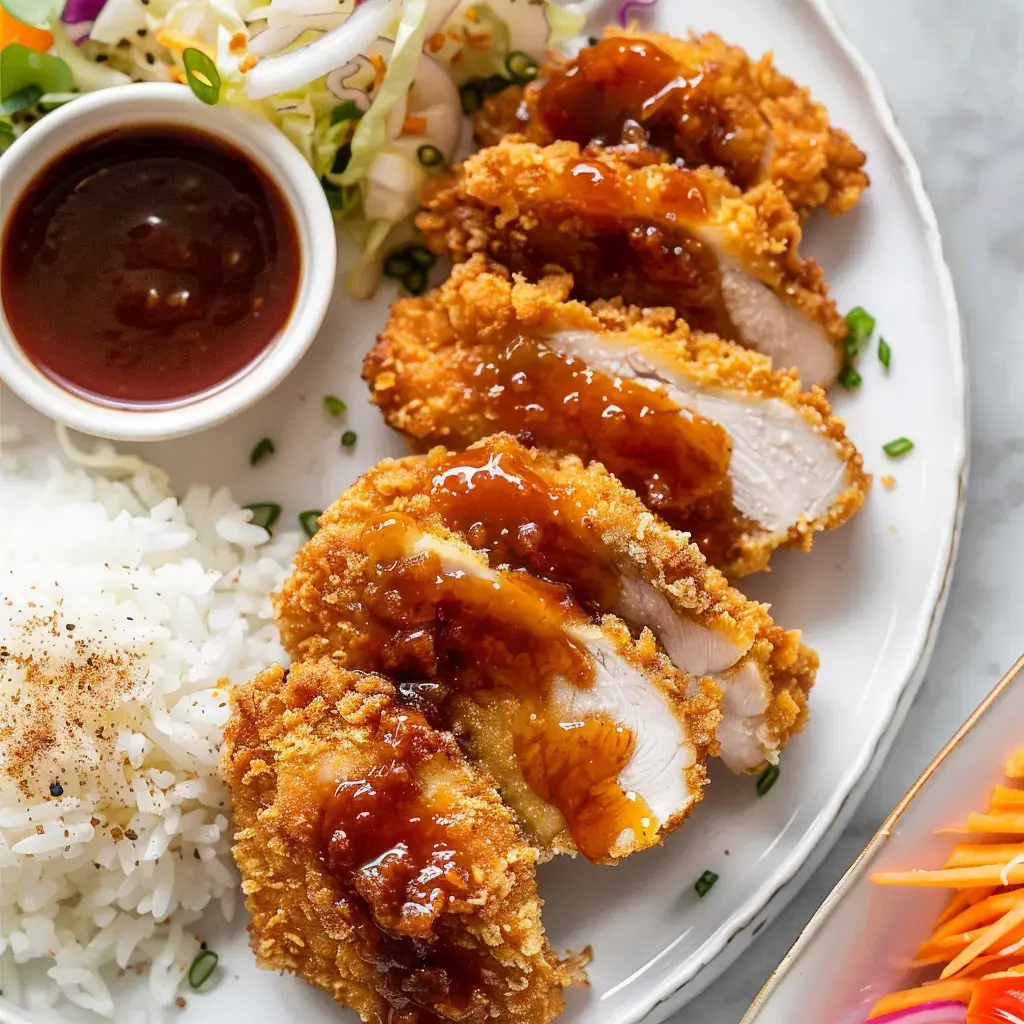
(658,235)
(527,511)
(597,741)
(701,429)
(377,861)
(697,101)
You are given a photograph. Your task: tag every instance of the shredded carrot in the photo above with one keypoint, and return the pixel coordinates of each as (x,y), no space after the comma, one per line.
(436,42)
(247,63)
(973,855)
(414,125)
(179,42)
(980,933)
(478,40)
(472,14)
(238,41)
(380,69)
(954,991)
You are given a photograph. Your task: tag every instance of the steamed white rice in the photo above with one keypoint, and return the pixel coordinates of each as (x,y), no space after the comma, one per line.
(114,825)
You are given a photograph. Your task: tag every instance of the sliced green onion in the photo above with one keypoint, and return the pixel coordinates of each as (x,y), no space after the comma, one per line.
(421,255)
(860,325)
(264,446)
(334,405)
(899,447)
(202,75)
(415,282)
(204,964)
(850,378)
(704,883)
(308,520)
(347,111)
(767,779)
(264,513)
(884,353)
(472,96)
(22,67)
(348,439)
(342,158)
(398,264)
(493,84)
(430,156)
(521,66)
(23,99)
(335,197)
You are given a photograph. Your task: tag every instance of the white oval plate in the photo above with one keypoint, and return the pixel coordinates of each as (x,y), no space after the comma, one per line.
(869,597)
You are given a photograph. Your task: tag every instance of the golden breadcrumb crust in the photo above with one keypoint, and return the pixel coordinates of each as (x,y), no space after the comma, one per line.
(320,612)
(421,374)
(523,205)
(638,543)
(745,116)
(284,727)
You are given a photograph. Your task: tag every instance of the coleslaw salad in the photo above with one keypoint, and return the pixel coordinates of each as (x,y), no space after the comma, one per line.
(372,92)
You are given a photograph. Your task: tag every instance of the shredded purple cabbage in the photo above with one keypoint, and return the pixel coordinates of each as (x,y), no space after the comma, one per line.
(81,10)
(625,8)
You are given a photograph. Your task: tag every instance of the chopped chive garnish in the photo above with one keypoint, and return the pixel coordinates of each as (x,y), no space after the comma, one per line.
(308,520)
(264,446)
(415,281)
(860,325)
(24,99)
(334,405)
(202,74)
(342,159)
(884,353)
(704,883)
(899,447)
(421,255)
(348,439)
(397,265)
(521,66)
(493,84)
(347,111)
(264,513)
(850,378)
(204,964)
(335,197)
(472,96)
(430,156)
(767,779)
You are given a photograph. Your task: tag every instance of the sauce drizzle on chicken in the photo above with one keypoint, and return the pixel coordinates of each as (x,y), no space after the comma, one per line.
(508,632)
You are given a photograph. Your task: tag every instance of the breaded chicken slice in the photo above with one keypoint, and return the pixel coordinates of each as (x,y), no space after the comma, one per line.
(597,741)
(698,100)
(378,862)
(703,430)
(531,512)
(727,261)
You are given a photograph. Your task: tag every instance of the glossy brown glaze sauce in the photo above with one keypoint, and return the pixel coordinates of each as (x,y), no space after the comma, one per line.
(630,92)
(627,238)
(431,618)
(669,455)
(149,265)
(390,843)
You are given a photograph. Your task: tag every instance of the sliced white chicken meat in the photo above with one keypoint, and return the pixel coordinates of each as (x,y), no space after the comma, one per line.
(657,235)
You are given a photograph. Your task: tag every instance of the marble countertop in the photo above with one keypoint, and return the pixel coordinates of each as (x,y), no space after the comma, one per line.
(954,76)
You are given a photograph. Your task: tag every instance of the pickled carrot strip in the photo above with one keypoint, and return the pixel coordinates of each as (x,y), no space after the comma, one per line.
(1001,929)
(955,991)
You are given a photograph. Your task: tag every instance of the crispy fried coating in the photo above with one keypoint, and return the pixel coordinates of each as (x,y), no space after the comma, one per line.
(378,936)
(427,374)
(602,543)
(335,604)
(701,101)
(655,235)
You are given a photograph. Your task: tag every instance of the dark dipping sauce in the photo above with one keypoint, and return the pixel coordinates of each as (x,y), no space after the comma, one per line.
(149,265)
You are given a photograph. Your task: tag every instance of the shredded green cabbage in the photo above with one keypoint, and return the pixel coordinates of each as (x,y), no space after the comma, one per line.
(371,134)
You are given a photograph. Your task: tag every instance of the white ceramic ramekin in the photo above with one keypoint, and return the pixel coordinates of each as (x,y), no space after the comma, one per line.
(153,105)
